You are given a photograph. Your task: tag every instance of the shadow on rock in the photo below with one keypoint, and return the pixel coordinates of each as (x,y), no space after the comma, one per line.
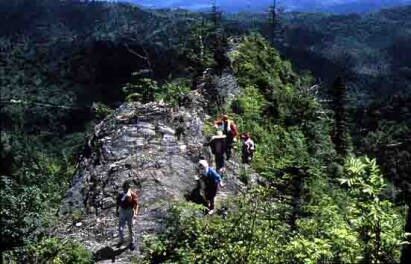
(195,196)
(107,253)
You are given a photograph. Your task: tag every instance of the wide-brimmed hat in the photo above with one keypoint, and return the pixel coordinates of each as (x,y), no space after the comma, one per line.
(219,135)
(203,163)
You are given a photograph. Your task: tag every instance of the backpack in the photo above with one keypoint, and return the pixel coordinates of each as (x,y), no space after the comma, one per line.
(129,202)
(233,129)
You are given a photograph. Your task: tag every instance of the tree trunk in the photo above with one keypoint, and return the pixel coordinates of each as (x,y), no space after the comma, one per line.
(406,249)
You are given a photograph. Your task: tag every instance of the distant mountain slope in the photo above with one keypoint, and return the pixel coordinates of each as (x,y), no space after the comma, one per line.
(332,6)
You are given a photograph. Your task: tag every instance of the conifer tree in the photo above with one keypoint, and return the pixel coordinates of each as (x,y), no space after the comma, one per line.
(273,20)
(219,41)
(274,27)
(341,136)
(215,14)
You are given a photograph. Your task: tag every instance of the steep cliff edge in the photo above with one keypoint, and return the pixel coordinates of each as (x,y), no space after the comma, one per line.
(139,143)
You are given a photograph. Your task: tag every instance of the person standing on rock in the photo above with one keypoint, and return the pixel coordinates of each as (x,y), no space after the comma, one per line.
(229,129)
(127,209)
(180,128)
(212,182)
(218,148)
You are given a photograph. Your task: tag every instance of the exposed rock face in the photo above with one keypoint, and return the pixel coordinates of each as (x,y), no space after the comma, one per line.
(139,143)
(221,89)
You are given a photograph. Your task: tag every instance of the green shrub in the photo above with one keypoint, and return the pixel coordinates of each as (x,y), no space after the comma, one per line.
(173,92)
(101,110)
(304,215)
(58,251)
(141,89)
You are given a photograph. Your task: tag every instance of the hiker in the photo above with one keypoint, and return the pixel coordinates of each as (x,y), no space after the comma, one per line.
(180,128)
(229,129)
(127,202)
(212,181)
(248,148)
(218,148)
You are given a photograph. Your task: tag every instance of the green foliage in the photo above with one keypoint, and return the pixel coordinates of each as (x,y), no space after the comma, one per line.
(40,173)
(147,90)
(258,65)
(173,92)
(255,231)
(304,216)
(341,135)
(377,220)
(141,89)
(252,104)
(58,251)
(101,110)
(51,250)
(242,237)
(273,92)
(301,216)
(197,47)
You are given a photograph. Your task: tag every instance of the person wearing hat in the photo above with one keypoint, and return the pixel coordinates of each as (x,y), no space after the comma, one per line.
(218,148)
(212,181)
(229,129)
(248,148)
(127,202)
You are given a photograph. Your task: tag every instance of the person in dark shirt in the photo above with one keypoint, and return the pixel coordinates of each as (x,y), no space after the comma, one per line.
(212,181)
(218,148)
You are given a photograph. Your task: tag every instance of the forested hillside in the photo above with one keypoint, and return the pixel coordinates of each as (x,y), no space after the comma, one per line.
(309,6)
(93,93)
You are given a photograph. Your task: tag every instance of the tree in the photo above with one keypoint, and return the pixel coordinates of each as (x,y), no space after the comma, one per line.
(215,14)
(273,20)
(274,27)
(341,136)
(219,40)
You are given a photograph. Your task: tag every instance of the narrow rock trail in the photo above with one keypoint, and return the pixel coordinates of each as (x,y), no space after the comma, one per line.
(139,142)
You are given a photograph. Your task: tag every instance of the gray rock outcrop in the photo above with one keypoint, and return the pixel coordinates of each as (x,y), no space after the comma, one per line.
(138,143)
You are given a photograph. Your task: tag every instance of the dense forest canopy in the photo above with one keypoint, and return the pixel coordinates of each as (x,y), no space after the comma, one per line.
(328,98)
(328,6)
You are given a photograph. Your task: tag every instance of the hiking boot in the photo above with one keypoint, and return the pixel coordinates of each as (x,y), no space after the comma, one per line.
(132,247)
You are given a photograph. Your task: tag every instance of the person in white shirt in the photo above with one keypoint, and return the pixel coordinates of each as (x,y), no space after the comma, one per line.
(248,148)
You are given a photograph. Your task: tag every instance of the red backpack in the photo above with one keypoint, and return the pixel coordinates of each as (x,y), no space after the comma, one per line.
(234,130)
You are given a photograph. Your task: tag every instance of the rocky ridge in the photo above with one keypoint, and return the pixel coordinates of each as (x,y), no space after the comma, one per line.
(139,142)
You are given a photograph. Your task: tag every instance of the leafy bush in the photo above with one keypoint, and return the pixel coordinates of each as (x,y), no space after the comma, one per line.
(40,173)
(376,219)
(58,251)
(147,90)
(101,110)
(141,89)
(174,92)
